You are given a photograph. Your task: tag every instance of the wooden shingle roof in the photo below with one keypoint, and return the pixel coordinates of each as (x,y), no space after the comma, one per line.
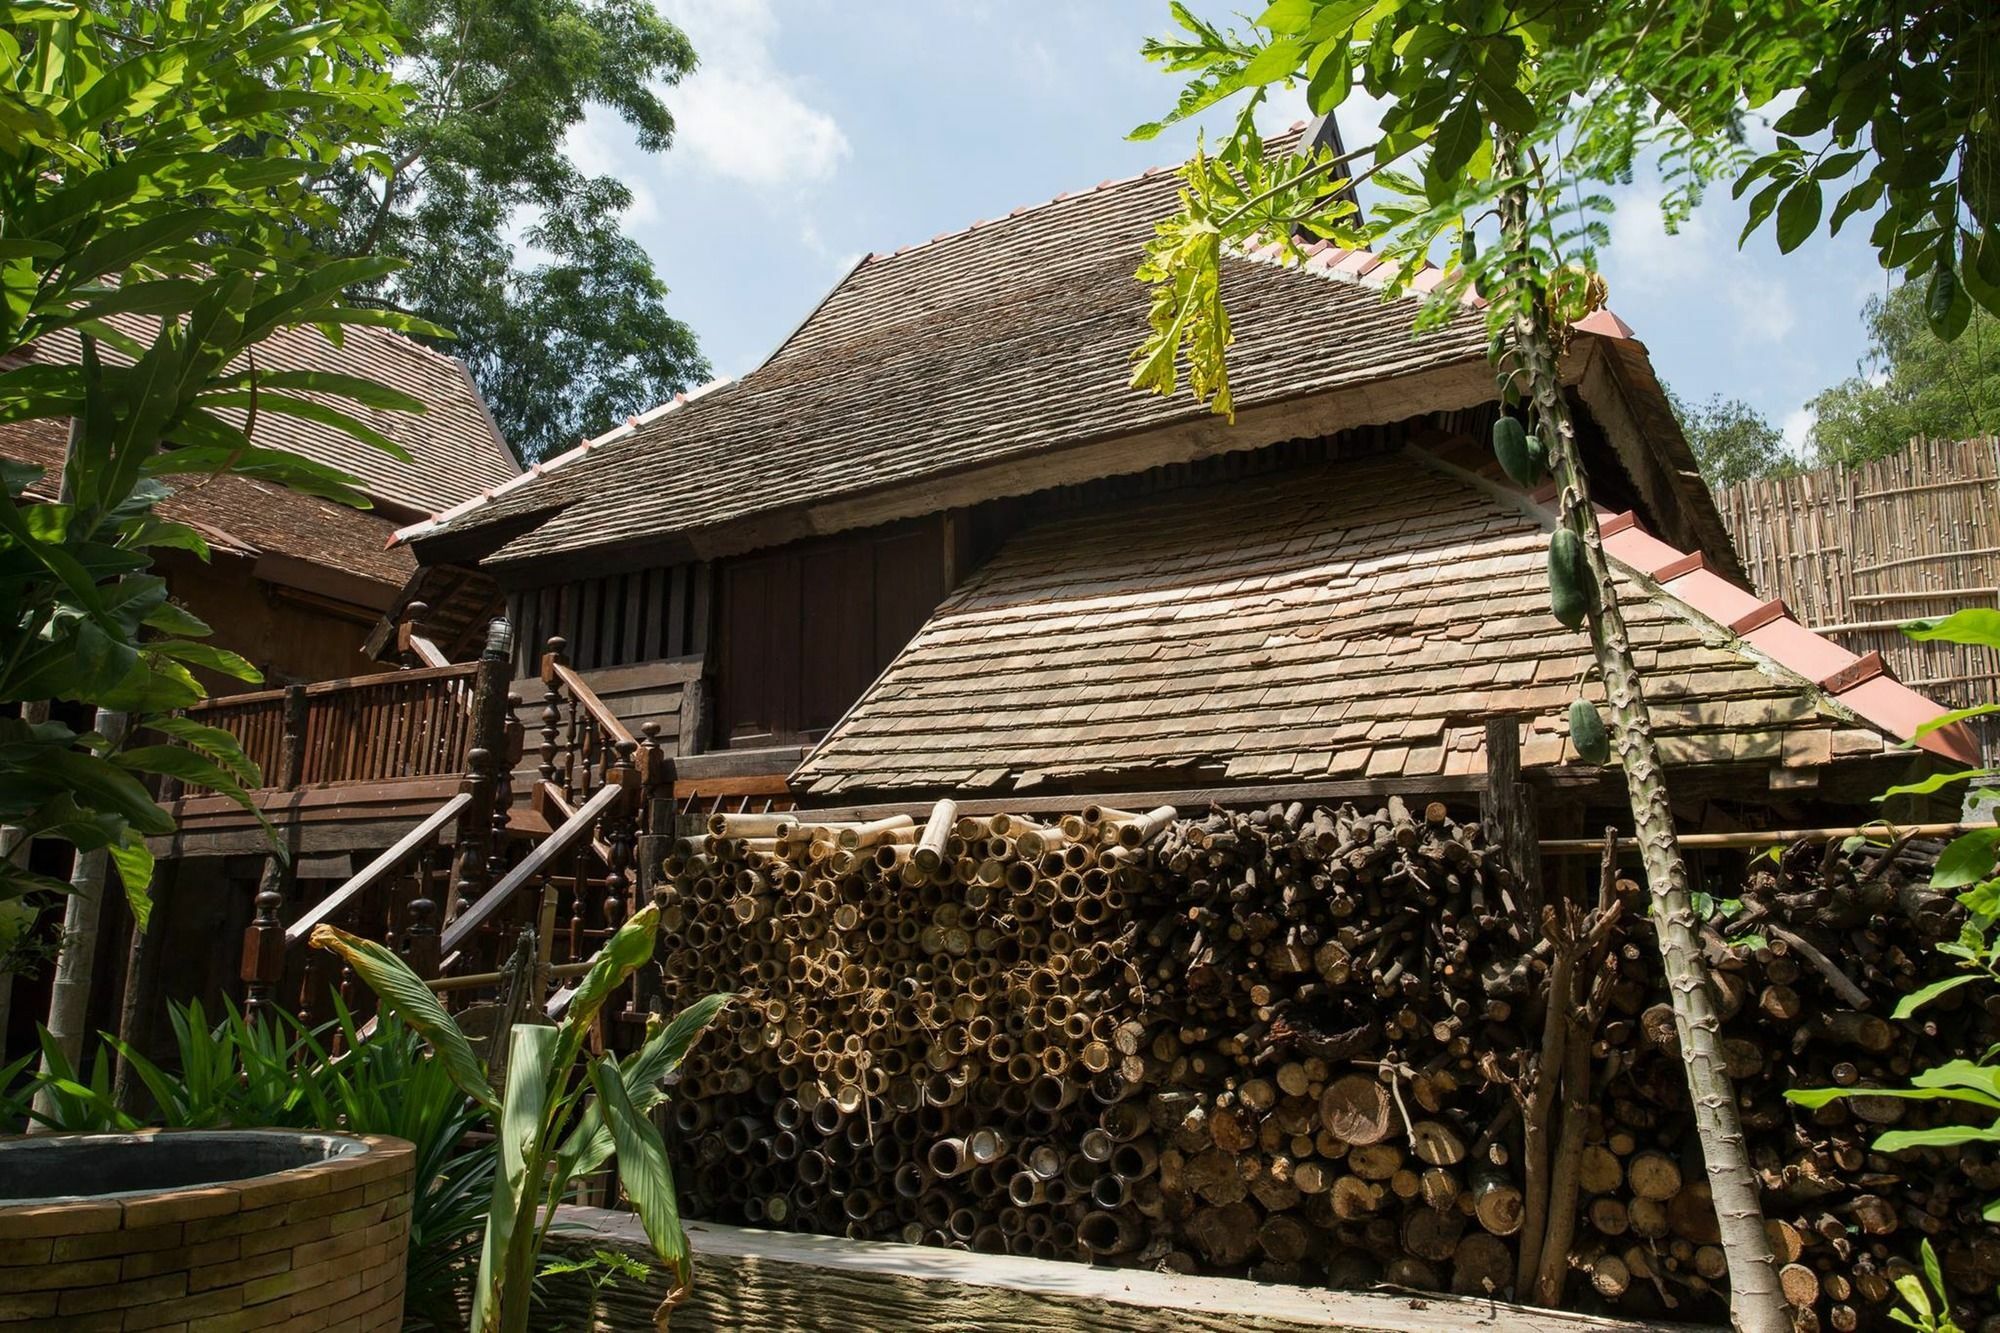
(1000,342)
(240,514)
(455,449)
(1352,620)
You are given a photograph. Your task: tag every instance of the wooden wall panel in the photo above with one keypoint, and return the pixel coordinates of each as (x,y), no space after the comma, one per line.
(806,628)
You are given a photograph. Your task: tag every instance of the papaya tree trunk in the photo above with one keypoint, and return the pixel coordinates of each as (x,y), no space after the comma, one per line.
(1757,1305)
(69,996)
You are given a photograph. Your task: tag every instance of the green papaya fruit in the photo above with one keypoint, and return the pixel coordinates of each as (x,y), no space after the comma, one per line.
(1587,733)
(1569,579)
(1538,455)
(1510,446)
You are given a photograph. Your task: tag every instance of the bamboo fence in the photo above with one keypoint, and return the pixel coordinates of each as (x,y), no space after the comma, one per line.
(1856,551)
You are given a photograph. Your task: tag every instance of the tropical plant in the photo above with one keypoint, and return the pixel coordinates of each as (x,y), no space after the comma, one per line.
(553,1125)
(155,168)
(279,1073)
(1969,864)
(1916,1292)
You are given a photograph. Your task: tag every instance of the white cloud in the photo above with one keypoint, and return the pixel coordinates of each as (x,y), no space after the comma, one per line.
(738,116)
(1798,427)
(1696,262)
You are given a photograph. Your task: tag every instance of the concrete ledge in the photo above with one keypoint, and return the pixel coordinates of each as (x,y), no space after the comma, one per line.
(780,1281)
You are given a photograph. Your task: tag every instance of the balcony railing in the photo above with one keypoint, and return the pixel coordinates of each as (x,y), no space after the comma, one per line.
(394,727)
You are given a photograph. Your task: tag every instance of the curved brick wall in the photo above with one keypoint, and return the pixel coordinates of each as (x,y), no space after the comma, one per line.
(314,1247)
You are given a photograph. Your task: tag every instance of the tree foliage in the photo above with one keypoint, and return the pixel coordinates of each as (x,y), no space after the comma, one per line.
(1894,112)
(155,161)
(573,333)
(1732,441)
(1911,383)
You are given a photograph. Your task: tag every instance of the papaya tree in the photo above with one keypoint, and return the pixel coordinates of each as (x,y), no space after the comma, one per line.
(1500,123)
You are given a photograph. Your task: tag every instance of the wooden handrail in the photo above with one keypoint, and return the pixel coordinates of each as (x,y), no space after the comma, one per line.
(427,652)
(378,869)
(536,861)
(600,713)
(554,796)
(414,676)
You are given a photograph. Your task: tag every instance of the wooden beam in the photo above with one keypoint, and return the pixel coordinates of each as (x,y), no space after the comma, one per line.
(783,1282)
(1507,808)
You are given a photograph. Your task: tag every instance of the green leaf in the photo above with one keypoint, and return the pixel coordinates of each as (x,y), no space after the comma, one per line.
(404,994)
(1945,1136)
(135,872)
(1966,860)
(1917,999)
(1936,782)
(1798,215)
(1458,138)
(1978,626)
(507,1254)
(644,1173)
(1952,718)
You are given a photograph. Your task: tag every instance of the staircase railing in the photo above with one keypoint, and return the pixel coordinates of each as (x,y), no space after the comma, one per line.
(394,898)
(575,884)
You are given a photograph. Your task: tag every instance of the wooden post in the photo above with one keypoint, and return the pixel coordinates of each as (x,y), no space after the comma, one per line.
(656,773)
(1507,808)
(511,749)
(420,942)
(407,630)
(483,766)
(551,712)
(263,955)
(292,749)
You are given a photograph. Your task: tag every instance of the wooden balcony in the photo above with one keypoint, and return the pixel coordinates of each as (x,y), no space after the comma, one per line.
(349,765)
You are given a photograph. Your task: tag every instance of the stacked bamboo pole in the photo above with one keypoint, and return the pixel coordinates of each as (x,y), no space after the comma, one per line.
(1307,1044)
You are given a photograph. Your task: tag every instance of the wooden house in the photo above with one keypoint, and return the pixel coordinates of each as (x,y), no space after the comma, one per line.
(934,544)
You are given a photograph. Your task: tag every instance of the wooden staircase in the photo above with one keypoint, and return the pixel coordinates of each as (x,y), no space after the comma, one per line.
(549,848)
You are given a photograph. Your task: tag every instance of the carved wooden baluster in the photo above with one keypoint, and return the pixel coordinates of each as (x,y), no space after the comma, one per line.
(263,954)
(620,824)
(503,791)
(579,894)
(420,947)
(552,702)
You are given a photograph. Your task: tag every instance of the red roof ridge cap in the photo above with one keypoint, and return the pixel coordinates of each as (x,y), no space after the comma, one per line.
(1863,685)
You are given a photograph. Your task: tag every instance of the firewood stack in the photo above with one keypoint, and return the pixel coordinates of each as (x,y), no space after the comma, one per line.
(1304,1044)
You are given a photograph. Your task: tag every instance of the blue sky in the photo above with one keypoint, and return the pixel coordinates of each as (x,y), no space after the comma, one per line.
(817,131)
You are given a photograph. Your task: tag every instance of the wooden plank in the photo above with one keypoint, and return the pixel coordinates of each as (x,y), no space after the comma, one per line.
(765,784)
(780,1281)
(1507,806)
(375,871)
(701,607)
(633,595)
(575,828)
(673,610)
(583,649)
(1442,788)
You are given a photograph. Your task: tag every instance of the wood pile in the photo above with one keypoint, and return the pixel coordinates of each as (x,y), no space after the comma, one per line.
(1304,1044)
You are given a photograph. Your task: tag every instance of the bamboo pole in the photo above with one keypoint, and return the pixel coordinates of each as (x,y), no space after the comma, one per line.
(1768,838)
